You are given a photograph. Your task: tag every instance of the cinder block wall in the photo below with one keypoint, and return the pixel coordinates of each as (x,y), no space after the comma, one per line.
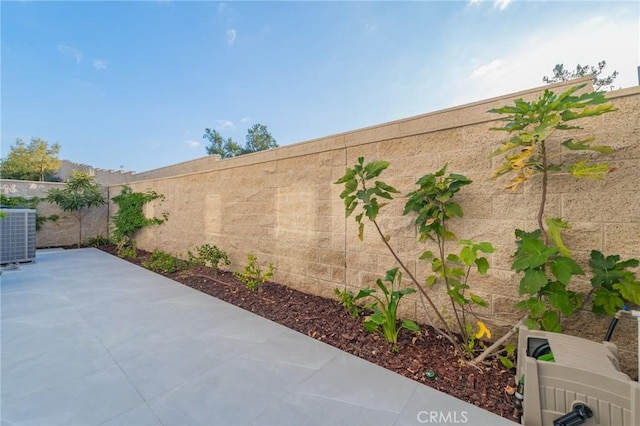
(64,231)
(282,206)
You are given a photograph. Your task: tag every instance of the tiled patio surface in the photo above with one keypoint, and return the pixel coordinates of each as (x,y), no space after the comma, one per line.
(90,339)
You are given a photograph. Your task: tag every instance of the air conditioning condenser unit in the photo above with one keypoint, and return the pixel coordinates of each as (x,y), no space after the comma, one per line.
(17,235)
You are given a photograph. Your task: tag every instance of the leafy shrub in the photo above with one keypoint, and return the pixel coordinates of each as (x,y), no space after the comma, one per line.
(208,255)
(252,276)
(97,241)
(127,249)
(164,262)
(385,310)
(348,301)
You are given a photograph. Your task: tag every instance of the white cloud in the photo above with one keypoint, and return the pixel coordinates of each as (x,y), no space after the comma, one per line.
(523,64)
(225,124)
(222,7)
(192,144)
(68,50)
(246,120)
(501,4)
(99,64)
(498,4)
(231,36)
(488,69)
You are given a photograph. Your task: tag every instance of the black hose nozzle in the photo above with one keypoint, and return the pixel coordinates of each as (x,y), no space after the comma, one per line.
(577,416)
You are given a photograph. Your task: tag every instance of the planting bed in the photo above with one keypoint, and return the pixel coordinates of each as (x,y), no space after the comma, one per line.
(488,386)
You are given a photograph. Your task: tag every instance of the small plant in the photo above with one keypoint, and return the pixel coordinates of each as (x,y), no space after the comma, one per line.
(348,301)
(97,241)
(127,249)
(252,276)
(164,262)
(208,255)
(385,310)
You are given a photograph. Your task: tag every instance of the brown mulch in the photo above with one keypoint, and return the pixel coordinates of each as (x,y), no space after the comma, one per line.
(488,386)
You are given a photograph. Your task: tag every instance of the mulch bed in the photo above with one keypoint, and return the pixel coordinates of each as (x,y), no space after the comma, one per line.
(488,386)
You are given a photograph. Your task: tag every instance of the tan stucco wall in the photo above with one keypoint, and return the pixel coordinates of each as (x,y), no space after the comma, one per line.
(282,205)
(64,231)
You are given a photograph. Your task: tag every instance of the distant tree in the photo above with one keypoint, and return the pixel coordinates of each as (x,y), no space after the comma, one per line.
(81,193)
(34,161)
(225,148)
(599,83)
(258,139)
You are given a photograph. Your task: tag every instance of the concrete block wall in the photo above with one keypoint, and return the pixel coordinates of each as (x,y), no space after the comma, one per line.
(64,231)
(282,206)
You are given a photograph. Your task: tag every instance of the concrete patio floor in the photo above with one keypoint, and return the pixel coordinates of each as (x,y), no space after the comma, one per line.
(90,339)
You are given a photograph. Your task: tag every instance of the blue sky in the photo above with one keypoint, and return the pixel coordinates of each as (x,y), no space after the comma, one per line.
(133,85)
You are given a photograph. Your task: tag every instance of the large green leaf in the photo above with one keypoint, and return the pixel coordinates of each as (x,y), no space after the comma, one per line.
(482,264)
(410,325)
(563,268)
(583,145)
(550,321)
(532,281)
(629,289)
(606,301)
(374,168)
(560,300)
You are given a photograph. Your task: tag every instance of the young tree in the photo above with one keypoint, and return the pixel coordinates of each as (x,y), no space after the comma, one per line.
(259,139)
(80,194)
(599,83)
(225,148)
(34,161)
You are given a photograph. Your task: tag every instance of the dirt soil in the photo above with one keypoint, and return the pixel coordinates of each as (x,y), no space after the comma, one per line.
(488,386)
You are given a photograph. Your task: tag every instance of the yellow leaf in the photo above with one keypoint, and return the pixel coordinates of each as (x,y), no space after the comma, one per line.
(483,331)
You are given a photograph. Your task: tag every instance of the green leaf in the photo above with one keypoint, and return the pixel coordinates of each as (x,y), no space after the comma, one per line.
(467,256)
(426,255)
(453,210)
(560,301)
(478,300)
(629,289)
(410,325)
(606,301)
(562,271)
(505,361)
(431,280)
(583,145)
(375,168)
(365,292)
(349,175)
(533,281)
(536,307)
(482,264)
(484,247)
(551,322)
(370,326)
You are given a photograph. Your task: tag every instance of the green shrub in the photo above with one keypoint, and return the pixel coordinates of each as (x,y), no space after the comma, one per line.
(127,249)
(252,276)
(208,255)
(164,262)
